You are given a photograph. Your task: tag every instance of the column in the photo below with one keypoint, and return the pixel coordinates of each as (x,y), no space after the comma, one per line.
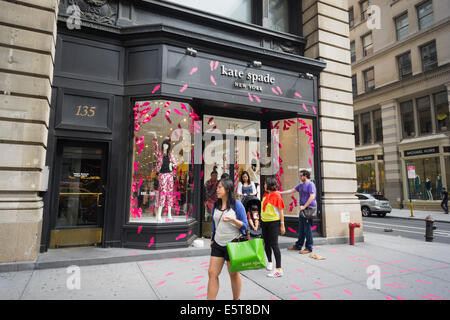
(326,29)
(27,50)
(392,163)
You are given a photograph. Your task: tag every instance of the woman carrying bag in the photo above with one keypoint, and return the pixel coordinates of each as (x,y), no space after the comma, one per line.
(229,223)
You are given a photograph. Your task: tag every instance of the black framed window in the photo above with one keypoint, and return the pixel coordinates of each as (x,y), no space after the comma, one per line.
(377,126)
(369,79)
(278,15)
(352,51)
(424,115)
(404,65)
(425,14)
(429,56)
(366,127)
(402,26)
(407,116)
(441,111)
(367,44)
(363,5)
(354,85)
(351,17)
(356,124)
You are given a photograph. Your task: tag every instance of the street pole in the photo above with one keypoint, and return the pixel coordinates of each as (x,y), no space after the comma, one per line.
(409,191)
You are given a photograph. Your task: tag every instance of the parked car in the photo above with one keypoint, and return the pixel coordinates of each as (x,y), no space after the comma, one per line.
(373,204)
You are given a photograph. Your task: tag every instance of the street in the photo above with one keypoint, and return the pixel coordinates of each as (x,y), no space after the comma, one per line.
(407,228)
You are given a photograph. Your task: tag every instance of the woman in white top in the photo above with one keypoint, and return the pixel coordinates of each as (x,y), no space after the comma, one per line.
(229,222)
(246,187)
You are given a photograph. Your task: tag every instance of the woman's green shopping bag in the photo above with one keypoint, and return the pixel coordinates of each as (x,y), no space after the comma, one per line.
(246,255)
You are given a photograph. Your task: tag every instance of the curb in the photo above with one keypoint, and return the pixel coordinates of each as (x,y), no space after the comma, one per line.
(126,257)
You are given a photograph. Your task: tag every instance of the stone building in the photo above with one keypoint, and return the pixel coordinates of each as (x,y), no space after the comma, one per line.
(82,87)
(400,77)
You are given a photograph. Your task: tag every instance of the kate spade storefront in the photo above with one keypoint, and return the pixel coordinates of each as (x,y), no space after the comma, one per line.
(144,114)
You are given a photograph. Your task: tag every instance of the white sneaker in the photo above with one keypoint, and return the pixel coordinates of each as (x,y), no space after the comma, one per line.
(269,266)
(276,273)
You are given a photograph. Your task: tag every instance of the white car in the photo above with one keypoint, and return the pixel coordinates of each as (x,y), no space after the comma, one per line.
(373,204)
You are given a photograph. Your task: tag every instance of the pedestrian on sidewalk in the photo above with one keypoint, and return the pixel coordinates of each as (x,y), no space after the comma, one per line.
(307,196)
(229,222)
(272,225)
(444,203)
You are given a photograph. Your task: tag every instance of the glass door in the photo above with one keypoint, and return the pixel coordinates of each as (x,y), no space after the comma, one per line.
(231,147)
(80,208)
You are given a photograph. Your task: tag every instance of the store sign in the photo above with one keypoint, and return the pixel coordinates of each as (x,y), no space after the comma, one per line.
(84,111)
(365,158)
(418,152)
(252,77)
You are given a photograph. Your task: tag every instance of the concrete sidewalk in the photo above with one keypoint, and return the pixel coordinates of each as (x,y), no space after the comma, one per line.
(409,269)
(438,216)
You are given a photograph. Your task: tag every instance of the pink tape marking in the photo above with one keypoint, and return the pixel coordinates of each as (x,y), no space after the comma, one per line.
(292,230)
(201,296)
(201,288)
(314,109)
(136,166)
(313,228)
(388,298)
(348,292)
(152,241)
(296,288)
(194,70)
(213,80)
(279,90)
(216,65)
(199,277)
(192,282)
(154,112)
(183,88)
(184,107)
(298,95)
(181,236)
(257,99)
(139,229)
(132,252)
(275,91)
(301,271)
(160,283)
(310,162)
(211,65)
(156,88)
(293,298)
(320,284)
(304,107)
(169,274)
(423,281)
(399,298)
(317,295)
(178,111)
(250,97)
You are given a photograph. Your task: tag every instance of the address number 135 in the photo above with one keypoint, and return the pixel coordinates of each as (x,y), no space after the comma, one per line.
(85,111)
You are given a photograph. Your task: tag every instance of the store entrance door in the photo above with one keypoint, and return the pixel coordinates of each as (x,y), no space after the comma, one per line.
(231,146)
(81,194)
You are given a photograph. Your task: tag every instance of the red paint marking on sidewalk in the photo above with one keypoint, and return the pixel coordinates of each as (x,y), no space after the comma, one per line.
(348,292)
(317,295)
(160,283)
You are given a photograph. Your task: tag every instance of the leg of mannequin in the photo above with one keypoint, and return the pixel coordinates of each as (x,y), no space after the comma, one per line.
(158,218)
(169,213)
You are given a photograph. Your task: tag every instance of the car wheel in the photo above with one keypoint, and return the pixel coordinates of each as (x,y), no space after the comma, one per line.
(365,211)
(381,215)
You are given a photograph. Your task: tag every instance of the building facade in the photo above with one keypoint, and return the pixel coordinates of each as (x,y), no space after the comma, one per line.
(262,82)
(400,78)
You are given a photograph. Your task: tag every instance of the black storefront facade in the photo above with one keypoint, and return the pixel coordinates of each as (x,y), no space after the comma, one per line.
(122,80)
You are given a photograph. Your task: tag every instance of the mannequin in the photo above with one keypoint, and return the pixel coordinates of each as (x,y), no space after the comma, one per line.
(417,186)
(428,188)
(166,163)
(439,186)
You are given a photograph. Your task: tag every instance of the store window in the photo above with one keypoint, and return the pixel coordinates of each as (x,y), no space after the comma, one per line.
(234,9)
(401,25)
(162,163)
(424,115)
(377,126)
(441,111)
(279,15)
(294,138)
(407,116)
(428,182)
(425,14)
(366,128)
(366,178)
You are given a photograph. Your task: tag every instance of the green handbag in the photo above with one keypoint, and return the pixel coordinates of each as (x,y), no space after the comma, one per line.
(246,255)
